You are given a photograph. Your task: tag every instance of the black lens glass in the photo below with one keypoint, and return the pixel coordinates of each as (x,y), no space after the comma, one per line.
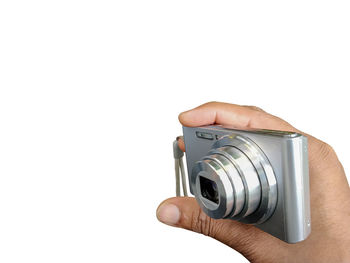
(209,189)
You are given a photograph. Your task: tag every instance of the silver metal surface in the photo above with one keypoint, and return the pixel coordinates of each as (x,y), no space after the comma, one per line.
(262,177)
(213,171)
(235,179)
(265,175)
(248,176)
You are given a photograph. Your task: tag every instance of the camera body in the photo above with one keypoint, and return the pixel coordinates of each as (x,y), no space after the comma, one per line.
(258,177)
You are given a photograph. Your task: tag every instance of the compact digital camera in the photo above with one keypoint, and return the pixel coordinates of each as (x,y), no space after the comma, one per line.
(258,177)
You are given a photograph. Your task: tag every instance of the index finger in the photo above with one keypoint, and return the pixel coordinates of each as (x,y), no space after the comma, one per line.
(245,117)
(238,116)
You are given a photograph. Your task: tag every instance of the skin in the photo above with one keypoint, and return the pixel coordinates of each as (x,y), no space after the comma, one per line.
(329,240)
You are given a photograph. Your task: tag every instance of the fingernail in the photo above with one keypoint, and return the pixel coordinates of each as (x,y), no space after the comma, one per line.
(168,214)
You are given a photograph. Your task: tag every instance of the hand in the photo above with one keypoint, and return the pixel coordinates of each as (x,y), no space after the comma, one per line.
(329,240)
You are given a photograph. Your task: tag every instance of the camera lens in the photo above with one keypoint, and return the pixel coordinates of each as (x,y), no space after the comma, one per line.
(235,180)
(209,189)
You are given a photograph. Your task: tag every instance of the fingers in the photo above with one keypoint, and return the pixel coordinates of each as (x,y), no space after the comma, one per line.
(184,212)
(240,117)
(181,143)
(245,117)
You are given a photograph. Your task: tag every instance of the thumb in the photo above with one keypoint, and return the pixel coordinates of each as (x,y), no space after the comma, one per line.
(254,244)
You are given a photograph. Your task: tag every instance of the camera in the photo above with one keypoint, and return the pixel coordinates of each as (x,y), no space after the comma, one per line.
(258,177)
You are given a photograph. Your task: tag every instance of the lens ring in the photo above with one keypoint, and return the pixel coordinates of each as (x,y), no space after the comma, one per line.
(213,171)
(234,177)
(248,175)
(269,191)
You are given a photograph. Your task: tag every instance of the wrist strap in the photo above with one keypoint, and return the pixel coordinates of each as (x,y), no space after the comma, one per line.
(180,174)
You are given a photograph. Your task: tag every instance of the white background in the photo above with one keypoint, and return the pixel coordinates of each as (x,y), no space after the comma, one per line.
(89,97)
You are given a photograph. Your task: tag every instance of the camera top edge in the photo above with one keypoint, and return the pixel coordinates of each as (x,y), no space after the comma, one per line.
(277,133)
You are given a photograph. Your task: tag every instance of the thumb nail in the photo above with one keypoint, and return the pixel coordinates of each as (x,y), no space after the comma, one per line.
(168,214)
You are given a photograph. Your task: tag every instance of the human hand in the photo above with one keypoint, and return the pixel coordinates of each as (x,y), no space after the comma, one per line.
(329,240)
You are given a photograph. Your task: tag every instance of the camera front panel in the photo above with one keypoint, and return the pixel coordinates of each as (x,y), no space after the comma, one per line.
(254,159)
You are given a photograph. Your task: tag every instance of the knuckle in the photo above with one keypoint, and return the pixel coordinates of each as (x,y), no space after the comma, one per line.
(201,223)
(325,151)
(251,121)
(322,156)
(254,108)
(243,241)
(211,103)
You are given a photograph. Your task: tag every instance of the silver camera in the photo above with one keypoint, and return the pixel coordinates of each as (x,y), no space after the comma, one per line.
(258,177)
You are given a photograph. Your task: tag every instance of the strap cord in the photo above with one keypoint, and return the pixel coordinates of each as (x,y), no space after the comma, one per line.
(180,174)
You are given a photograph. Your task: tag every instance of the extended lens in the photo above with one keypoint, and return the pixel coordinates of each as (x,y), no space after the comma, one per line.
(235,180)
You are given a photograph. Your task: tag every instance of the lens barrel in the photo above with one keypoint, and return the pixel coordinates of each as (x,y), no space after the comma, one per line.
(235,180)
